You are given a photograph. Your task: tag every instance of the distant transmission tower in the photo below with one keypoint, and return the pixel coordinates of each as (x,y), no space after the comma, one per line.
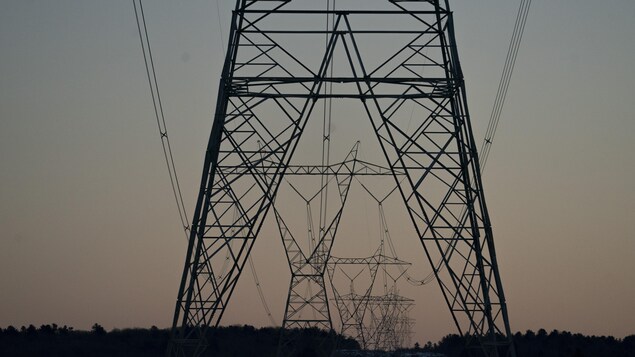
(274,79)
(307,301)
(377,322)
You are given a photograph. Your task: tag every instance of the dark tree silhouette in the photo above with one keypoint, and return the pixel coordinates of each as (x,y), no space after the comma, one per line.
(52,340)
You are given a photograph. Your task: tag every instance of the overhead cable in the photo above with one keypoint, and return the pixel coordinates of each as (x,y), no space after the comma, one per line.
(159,114)
(503,86)
(165,139)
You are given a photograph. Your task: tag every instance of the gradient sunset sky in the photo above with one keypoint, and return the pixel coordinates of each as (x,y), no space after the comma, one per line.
(90,233)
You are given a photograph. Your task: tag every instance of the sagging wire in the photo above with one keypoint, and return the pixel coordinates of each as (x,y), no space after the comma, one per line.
(503,85)
(165,141)
(159,114)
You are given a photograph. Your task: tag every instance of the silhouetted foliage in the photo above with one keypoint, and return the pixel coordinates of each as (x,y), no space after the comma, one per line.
(97,329)
(51,340)
(543,344)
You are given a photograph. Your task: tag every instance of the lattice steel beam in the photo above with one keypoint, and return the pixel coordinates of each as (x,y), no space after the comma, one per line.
(268,91)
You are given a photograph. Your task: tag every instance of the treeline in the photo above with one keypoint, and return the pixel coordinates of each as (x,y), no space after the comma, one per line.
(544,344)
(53,341)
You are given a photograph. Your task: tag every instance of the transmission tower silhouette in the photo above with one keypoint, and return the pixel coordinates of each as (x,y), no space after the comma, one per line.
(278,77)
(377,322)
(307,290)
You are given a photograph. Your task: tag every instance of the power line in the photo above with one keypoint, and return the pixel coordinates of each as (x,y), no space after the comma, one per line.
(159,114)
(260,293)
(503,86)
(163,132)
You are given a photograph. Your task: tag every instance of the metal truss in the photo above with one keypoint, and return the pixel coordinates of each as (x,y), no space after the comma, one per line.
(390,323)
(307,302)
(354,308)
(377,322)
(414,99)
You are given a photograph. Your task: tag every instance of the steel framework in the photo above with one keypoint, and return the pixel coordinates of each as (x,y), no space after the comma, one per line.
(376,322)
(307,301)
(390,324)
(275,73)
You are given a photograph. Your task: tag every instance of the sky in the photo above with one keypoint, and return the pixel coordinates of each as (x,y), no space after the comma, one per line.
(89,232)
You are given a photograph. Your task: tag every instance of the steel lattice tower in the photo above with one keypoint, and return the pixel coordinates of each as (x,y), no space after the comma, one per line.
(268,91)
(307,291)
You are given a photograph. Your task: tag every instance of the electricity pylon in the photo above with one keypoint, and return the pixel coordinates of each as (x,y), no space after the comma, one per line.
(307,301)
(275,73)
(358,311)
